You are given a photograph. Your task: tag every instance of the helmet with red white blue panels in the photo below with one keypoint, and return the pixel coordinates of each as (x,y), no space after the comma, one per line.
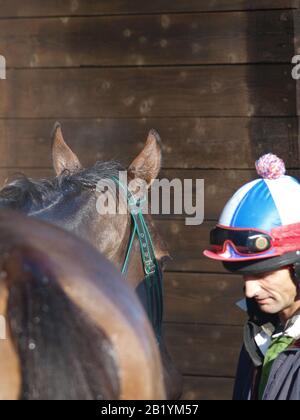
(259,228)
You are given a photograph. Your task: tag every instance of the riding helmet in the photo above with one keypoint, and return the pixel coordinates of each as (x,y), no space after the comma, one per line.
(259,228)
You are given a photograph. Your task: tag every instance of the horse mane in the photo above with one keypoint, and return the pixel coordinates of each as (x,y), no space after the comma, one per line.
(29,195)
(62,354)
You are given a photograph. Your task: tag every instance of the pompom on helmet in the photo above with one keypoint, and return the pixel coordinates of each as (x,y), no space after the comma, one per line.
(259,228)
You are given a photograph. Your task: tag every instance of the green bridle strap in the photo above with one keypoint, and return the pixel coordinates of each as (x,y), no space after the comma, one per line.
(126,263)
(152,270)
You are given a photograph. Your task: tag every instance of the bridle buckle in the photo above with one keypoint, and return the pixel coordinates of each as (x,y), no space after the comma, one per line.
(150,267)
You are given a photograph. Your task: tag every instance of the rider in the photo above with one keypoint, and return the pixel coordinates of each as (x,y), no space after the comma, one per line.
(258,236)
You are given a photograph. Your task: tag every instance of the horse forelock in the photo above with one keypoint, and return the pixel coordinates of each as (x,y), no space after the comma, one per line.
(29,195)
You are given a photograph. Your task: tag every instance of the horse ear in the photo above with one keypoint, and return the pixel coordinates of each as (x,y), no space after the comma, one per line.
(62,156)
(147,164)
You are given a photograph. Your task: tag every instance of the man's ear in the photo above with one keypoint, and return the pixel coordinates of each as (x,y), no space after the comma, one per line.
(62,156)
(147,164)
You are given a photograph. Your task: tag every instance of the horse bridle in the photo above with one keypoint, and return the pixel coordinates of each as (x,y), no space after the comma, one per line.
(152,270)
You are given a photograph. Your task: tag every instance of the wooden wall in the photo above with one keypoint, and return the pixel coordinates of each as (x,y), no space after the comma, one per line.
(212,76)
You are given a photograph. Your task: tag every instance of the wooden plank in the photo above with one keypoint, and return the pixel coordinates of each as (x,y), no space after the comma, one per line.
(186,245)
(16,8)
(191,297)
(191,143)
(262,90)
(229,38)
(204,350)
(206,388)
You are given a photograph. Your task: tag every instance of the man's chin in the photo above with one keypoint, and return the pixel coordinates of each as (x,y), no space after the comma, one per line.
(267,306)
(268,309)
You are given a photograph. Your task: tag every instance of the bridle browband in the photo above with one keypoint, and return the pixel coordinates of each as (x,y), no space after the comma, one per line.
(152,270)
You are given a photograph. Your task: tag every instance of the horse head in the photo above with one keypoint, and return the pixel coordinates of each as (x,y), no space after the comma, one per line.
(110,233)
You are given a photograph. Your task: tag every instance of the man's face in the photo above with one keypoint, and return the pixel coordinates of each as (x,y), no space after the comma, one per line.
(274,292)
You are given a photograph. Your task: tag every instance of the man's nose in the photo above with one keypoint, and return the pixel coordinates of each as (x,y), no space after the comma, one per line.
(252,288)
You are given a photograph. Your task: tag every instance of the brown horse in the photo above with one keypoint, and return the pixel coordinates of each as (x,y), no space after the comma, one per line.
(69,201)
(76,330)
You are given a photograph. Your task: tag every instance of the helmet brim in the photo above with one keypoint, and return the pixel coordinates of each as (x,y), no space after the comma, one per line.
(232,257)
(260,266)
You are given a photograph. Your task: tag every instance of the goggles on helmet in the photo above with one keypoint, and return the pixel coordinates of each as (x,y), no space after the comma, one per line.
(245,241)
(252,243)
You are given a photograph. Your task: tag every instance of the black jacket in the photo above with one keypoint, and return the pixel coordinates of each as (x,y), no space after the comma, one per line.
(283,382)
(284,378)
